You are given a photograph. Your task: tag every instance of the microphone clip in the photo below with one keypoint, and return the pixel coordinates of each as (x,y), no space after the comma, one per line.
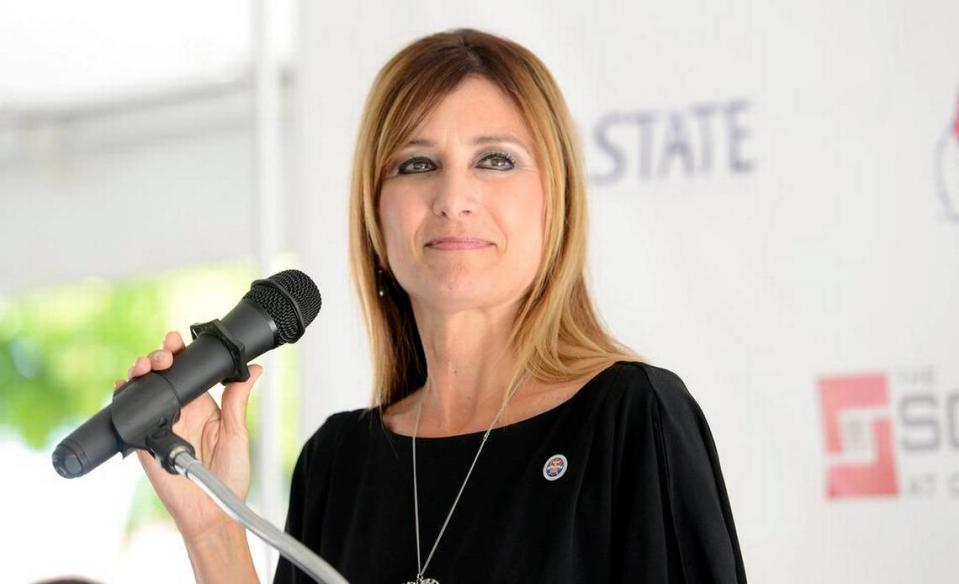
(236,348)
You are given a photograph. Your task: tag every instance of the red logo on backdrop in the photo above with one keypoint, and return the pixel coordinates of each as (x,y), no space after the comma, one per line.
(858,435)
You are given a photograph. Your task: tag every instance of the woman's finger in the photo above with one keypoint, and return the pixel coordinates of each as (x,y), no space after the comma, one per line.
(160,359)
(173,342)
(235,399)
(140,367)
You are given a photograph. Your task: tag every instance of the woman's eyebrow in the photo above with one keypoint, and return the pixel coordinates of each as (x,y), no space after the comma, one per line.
(488,139)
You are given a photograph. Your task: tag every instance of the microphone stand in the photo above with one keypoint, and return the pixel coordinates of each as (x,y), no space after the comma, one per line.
(176,455)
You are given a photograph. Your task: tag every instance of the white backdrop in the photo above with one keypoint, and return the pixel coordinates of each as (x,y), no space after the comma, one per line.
(774,191)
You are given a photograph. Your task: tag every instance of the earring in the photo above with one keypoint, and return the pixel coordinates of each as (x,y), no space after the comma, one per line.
(379,281)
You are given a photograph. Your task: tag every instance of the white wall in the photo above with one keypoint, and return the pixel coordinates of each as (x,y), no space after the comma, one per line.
(128,186)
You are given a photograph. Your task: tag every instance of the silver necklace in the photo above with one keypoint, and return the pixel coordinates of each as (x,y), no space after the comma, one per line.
(420,579)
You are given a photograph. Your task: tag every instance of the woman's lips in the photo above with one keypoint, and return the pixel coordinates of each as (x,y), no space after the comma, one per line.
(457,243)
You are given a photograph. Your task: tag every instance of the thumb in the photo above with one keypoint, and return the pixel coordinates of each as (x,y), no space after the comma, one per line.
(236,397)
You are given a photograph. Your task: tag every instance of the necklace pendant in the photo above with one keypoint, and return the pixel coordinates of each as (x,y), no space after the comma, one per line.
(421,580)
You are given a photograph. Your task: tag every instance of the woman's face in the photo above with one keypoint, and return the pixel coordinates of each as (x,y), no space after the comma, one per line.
(462,205)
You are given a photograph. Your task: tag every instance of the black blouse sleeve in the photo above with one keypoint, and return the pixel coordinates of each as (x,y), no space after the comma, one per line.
(674,520)
(307,491)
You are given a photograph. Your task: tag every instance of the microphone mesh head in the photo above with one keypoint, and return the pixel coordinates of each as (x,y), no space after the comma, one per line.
(291,298)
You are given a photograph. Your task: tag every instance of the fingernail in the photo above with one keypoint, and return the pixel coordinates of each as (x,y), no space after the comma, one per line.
(130,373)
(155,355)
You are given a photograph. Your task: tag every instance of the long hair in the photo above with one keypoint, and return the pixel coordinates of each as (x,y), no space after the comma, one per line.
(556,335)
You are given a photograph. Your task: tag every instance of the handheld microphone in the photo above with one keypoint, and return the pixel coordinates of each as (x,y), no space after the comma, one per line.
(275,311)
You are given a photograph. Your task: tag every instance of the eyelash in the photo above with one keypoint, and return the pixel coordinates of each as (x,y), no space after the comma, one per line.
(415,159)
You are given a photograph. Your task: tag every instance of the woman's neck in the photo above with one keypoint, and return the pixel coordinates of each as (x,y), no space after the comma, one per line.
(468,366)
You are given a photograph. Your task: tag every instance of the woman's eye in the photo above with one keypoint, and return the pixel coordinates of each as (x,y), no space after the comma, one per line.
(500,161)
(414,166)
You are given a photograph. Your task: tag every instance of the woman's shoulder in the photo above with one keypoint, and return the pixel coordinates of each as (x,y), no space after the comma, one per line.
(639,381)
(650,394)
(326,438)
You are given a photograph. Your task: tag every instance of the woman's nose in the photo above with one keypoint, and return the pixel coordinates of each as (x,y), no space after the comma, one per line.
(455,195)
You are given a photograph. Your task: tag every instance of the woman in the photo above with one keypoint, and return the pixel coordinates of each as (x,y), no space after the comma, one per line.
(510,438)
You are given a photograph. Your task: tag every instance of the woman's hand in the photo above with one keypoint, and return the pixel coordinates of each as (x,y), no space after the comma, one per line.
(219,437)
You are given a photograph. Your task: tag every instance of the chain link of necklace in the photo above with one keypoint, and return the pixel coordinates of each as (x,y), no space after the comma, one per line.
(416,505)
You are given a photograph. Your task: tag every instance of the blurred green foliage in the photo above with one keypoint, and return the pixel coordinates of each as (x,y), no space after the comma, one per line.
(61,349)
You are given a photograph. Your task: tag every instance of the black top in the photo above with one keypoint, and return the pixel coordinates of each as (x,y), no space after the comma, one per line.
(640,497)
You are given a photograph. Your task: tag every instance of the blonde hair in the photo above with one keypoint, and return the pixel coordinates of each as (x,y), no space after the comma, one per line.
(557,335)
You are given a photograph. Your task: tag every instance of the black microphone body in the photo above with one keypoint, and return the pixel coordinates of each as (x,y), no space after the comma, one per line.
(219,352)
